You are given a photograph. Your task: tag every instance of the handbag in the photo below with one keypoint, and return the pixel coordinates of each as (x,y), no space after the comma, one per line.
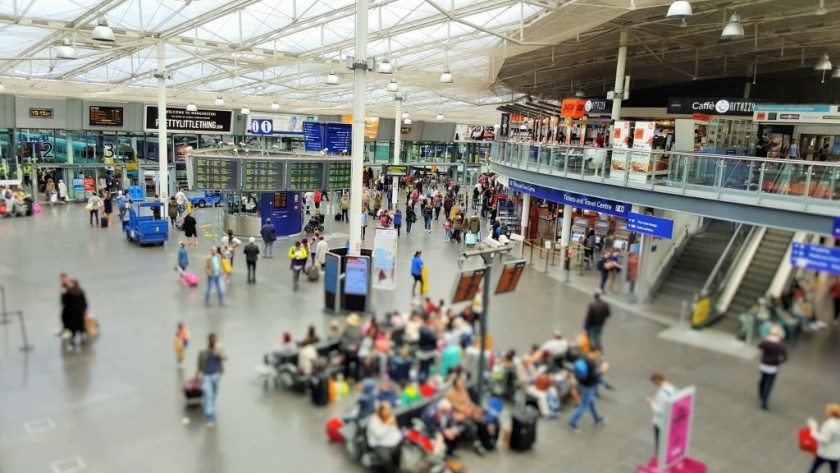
(807,443)
(89,207)
(226,266)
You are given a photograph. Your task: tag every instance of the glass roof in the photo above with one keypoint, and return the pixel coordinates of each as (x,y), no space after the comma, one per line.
(271,49)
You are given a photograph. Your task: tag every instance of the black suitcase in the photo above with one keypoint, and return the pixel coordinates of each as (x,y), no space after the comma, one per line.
(338,217)
(318,389)
(103,222)
(524,431)
(488,434)
(313,274)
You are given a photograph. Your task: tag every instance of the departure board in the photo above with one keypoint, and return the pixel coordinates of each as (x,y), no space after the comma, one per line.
(264,175)
(306,176)
(339,176)
(106,116)
(217,174)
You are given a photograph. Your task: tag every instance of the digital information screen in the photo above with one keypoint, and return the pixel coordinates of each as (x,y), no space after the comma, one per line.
(106,116)
(510,277)
(280,200)
(264,175)
(306,176)
(339,176)
(216,174)
(356,276)
(466,286)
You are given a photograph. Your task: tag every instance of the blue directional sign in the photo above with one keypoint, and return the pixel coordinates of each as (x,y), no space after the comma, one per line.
(261,126)
(650,225)
(836,230)
(815,257)
(610,207)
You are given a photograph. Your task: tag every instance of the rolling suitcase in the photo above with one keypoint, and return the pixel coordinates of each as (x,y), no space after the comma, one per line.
(318,390)
(524,432)
(193,391)
(103,222)
(190,279)
(313,274)
(470,239)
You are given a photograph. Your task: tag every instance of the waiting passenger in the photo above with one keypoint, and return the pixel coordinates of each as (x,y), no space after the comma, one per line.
(285,349)
(384,437)
(351,339)
(528,377)
(308,353)
(440,424)
(367,401)
(464,412)
(557,346)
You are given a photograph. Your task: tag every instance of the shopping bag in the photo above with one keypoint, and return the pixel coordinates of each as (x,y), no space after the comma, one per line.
(89,207)
(226,266)
(807,443)
(91,325)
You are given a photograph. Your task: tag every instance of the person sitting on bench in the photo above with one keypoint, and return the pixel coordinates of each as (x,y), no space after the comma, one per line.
(384,437)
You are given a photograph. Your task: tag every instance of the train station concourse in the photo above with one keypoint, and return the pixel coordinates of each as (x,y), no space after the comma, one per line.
(436,236)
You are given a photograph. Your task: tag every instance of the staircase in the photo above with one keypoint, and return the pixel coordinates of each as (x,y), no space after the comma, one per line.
(761,271)
(689,271)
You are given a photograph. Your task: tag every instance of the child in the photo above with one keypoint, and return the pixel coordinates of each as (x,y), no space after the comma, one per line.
(447,228)
(183,258)
(182,339)
(227,262)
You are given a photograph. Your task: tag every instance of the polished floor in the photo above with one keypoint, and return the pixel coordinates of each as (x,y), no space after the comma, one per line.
(117,405)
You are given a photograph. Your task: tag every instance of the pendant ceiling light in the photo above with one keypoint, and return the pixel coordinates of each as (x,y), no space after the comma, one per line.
(405,115)
(440,116)
(580,94)
(446,77)
(245,110)
(733,29)
(823,64)
(103,32)
(332,79)
(385,67)
(392,86)
(679,9)
(275,105)
(834,75)
(407,121)
(191,107)
(66,51)
(219,100)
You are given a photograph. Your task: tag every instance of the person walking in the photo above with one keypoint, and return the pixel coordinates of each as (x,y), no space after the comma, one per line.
(172,210)
(252,253)
(231,242)
(269,235)
(190,227)
(122,205)
(344,205)
(835,295)
(298,257)
(658,403)
(410,218)
(213,269)
(107,207)
(75,304)
(93,205)
(181,200)
(211,367)
(417,271)
(437,202)
(828,439)
(773,354)
(596,316)
(62,191)
(475,226)
(321,250)
(587,372)
(316,199)
(183,257)
(604,264)
(427,216)
(398,216)
(793,150)
(615,268)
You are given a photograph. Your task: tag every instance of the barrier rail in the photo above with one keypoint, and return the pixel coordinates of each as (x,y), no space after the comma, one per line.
(5,319)
(803,183)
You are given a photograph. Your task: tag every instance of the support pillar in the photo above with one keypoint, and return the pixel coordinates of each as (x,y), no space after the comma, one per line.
(163,141)
(526,213)
(395,191)
(621,62)
(357,158)
(566,237)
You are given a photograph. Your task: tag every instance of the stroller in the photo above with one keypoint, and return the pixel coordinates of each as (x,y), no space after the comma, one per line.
(315,223)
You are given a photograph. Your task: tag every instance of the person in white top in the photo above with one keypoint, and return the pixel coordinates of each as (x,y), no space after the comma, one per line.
(557,346)
(658,403)
(384,436)
(828,439)
(181,200)
(321,250)
(308,201)
(93,205)
(231,242)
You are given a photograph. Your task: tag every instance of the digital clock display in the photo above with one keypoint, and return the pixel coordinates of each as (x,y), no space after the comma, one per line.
(41,112)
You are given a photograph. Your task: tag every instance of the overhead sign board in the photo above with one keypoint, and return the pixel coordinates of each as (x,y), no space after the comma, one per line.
(610,207)
(509,279)
(105,116)
(338,175)
(466,285)
(504,126)
(396,170)
(650,225)
(710,106)
(204,121)
(216,174)
(264,175)
(815,257)
(41,113)
(797,113)
(596,106)
(573,108)
(836,229)
(276,124)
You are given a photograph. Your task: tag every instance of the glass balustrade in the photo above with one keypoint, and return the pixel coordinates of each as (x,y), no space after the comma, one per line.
(680,172)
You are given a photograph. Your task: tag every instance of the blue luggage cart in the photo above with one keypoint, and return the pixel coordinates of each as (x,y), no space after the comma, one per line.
(146,229)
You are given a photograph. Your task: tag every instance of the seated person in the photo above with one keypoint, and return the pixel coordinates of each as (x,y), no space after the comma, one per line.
(366,403)
(527,375)
(557,346)
(384,437)
(412,329)
(440,425)
(781,316)
(401,366)
(464,412)
(285,349)
(804,312)
(308,354)
(388,393)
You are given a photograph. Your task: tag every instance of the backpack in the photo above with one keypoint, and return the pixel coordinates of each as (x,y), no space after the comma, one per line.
(601,263)
(582,370)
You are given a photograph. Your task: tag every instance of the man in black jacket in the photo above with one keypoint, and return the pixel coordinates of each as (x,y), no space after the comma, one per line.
(252,252)
(596,317)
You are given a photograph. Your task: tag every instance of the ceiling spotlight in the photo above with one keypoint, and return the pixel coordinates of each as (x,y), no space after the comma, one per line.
(834,75)
(103,32)
(679,9)
(405,115)
(219,100)
(821,10)
(385,67)
(733,29)
(823,64)
(440,116)
(245,110)
(407,121)
(580,93)
(392,86)
(332,79)
(191,107)
(446,77)
(66,50)
(275,105)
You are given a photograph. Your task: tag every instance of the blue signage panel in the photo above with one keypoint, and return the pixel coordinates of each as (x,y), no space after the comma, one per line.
(815,257)
(650,225)
(338,138)
(312,137)
(262,126)
(836,230)
(609,207)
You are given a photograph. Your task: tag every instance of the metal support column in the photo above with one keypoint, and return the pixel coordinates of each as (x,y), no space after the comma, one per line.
(357,159)
(526,213)
(621,62)
(395,184)
(163,142)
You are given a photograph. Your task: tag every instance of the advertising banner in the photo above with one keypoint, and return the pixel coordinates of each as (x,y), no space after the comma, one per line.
(620,144)
(677,429)
(640,162)
(504,126)
(710,106)
(356,276)
(205,121)
(371,125)
(815,113)
(276,124)
(384,259)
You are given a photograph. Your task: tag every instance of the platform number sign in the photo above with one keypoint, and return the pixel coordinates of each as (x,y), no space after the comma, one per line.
(260,126)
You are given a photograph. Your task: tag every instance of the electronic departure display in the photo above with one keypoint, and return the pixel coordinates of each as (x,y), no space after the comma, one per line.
(467,284)
(306,175)
(264,175)
(106,116)
(216,174)
(339,176)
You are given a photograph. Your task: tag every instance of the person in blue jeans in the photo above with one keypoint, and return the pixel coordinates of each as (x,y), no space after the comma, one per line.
(588,372)
(398,221)
(210,369)
(213,268)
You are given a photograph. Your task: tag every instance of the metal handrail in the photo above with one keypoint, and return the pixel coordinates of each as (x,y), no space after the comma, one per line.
(725,259)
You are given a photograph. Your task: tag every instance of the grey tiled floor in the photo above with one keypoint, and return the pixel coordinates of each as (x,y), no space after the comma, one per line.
(117,406)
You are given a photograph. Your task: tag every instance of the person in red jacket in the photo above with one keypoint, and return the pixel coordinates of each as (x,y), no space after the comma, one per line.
(835,294)
(317,200)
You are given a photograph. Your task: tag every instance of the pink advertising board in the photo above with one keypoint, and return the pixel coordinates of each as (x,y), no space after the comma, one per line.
(677,432)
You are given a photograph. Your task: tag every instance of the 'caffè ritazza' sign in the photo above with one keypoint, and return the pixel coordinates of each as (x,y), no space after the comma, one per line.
(710,106)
